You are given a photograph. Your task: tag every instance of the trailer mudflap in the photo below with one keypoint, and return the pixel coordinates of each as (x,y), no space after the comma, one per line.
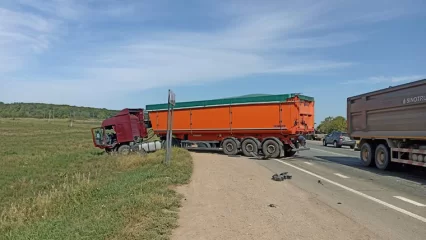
(281,152)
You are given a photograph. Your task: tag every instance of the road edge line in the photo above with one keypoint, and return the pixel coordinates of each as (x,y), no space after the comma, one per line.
(410,201)
(337,154)
(358,193)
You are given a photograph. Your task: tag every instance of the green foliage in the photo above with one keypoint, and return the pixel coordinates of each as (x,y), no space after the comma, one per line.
(56,185)
(41,110)
(330,124)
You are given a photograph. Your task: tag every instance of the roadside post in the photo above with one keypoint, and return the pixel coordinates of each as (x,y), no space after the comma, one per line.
(170,104)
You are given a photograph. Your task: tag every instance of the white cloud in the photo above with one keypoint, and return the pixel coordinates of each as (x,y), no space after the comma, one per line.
(22,35)
(387,79)
(249,39)
(64,9)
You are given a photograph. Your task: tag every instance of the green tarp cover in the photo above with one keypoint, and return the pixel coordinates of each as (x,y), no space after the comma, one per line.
(247,99)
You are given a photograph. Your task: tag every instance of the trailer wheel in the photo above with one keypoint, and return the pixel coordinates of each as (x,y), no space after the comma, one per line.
(382,159)
(366,155)
(248,146)
(230,147)
(124,149)
(288,153)
(271,148)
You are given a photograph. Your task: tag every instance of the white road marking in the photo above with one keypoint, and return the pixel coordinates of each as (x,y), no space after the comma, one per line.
(308,163)
(341,175)
(410,201)
(338,154)
(358,193)
(399,179)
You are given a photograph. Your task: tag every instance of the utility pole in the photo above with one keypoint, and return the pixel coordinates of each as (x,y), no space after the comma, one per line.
(169,136)
(71,119)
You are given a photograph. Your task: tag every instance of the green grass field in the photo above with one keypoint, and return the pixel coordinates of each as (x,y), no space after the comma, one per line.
(55,184)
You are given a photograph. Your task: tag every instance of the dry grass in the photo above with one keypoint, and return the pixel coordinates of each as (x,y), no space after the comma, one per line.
(56,185)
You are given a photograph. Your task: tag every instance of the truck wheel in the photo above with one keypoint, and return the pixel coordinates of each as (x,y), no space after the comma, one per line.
(288,153)
(324,143)
(248,146)
(366,155)
(382,159)
(124,149)
(271,148)
(230,147)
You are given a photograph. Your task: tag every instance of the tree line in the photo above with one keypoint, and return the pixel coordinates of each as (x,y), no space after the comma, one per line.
(330,124)
(42,110)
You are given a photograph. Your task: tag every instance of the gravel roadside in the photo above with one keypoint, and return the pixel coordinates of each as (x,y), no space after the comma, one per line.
(231,197)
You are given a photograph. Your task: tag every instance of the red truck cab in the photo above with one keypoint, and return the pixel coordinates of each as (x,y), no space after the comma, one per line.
(125,127)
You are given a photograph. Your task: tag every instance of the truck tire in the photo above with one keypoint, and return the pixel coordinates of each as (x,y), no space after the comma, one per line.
(382,158)
(248,146)
(324,143)
(271,148)
(366,155)
(124,150)
(230,147)
(288,153)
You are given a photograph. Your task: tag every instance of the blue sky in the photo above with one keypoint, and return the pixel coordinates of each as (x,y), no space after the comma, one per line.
(117,54)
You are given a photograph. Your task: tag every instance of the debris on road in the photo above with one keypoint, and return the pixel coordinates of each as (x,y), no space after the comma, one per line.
(272,205)
(281,176)
(319,181)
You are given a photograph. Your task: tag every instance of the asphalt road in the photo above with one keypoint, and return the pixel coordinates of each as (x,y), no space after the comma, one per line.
(391,204)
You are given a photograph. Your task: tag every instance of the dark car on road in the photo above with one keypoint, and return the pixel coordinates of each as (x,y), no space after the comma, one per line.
(339,139)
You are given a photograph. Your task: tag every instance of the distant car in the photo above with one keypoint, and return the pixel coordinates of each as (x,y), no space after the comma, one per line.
(339,139)
(319,135)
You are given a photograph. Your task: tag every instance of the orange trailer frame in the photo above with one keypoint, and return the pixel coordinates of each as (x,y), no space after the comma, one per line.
(242,123)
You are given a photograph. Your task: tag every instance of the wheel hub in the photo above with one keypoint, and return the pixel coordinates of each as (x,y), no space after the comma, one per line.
(381,157)
(271,149)
(364,155)
(229,147)
(249,147)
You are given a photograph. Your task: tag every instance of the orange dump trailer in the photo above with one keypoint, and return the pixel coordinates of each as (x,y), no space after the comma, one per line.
(268,124)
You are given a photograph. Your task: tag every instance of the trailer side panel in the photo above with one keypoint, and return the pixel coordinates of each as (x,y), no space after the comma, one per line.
(286,117)
(395,112)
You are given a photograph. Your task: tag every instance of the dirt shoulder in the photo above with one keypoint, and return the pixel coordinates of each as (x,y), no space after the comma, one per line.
(229,198)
